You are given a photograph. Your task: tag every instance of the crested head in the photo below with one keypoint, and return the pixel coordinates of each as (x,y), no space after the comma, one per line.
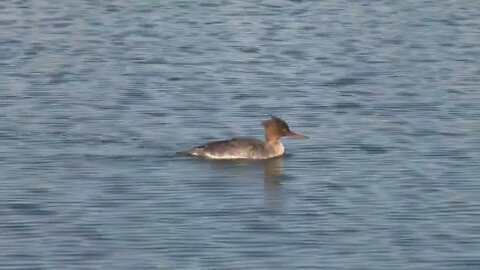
(276,123)
(275,128)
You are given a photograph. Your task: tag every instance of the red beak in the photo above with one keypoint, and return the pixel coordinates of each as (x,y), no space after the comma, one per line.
(296,135)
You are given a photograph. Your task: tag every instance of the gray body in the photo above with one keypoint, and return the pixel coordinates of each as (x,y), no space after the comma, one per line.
(238,148)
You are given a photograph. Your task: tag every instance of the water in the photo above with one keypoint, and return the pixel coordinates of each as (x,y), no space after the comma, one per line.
(96,97)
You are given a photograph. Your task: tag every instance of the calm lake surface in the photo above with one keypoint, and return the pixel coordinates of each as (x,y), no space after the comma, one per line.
(97,97)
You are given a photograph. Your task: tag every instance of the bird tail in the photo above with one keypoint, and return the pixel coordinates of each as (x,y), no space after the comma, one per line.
(191,152)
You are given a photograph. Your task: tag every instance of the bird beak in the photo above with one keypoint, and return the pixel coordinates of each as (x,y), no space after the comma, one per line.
(296,135)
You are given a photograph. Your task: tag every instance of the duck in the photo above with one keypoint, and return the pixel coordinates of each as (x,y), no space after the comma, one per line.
(249,148)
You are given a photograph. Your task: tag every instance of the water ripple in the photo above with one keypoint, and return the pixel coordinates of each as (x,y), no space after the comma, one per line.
(98,97)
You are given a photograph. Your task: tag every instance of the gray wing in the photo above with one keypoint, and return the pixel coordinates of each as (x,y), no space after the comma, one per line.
(231,149)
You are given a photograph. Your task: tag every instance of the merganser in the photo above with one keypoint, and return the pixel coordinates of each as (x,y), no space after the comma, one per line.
(249,148)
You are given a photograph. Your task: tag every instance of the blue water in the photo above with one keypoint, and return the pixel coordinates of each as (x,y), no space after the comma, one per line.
(96,98)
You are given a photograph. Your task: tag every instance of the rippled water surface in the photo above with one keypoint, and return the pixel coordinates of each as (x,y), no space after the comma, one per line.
(96,98)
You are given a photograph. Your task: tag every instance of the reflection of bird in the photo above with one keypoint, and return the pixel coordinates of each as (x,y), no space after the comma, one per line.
(248,148)
(273,173)
(273,167)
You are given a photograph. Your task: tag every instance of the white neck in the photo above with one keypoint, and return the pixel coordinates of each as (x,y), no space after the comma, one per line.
(275,148)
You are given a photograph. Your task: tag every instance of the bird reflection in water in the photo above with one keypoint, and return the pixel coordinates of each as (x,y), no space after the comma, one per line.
(273,172)
(273,175)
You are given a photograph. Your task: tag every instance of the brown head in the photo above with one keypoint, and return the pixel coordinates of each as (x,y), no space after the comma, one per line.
(276,128)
